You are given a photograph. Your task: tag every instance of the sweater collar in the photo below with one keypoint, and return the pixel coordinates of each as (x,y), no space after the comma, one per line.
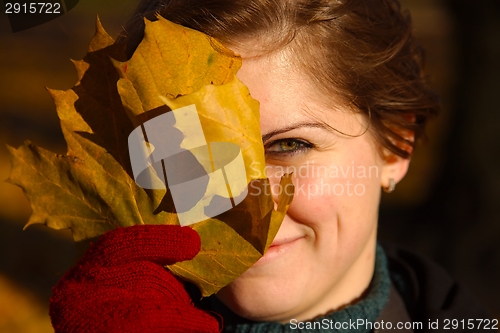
(350,319)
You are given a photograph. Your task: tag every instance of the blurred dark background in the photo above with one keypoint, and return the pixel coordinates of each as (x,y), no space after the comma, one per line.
(448,206)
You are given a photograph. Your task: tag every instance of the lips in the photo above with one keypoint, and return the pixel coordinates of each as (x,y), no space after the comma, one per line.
(279,249)
(280,242)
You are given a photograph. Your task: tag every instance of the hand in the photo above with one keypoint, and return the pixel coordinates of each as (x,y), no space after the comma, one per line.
(120,285)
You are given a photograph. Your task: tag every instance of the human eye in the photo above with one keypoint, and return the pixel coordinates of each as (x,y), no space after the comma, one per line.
(287,147)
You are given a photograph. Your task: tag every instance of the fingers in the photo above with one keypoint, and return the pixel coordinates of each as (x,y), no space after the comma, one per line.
(127,283)
(135,316)
(161,244)
(135,297)
(120,285)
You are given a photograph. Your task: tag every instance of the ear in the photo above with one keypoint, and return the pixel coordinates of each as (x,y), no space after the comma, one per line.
(394,166)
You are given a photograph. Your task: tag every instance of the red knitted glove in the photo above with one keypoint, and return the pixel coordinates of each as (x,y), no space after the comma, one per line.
(120,285)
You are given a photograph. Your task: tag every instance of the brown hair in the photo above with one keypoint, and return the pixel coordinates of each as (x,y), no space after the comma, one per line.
(362,51)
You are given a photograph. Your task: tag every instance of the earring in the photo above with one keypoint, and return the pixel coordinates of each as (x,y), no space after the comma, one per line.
(391,187)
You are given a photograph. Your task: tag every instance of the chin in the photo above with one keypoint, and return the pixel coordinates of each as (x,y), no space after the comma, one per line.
(258,303)
(262,298)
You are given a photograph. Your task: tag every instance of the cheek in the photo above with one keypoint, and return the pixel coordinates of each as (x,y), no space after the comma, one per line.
(346,193)
(313,201)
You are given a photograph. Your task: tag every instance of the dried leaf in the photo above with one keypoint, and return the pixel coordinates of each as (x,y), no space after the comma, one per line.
(172,61)
(228,260)
(91,189)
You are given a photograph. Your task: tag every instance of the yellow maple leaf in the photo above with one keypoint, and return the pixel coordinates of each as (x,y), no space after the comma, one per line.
(92,188)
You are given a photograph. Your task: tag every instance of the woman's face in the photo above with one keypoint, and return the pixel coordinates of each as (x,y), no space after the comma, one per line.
(323,255)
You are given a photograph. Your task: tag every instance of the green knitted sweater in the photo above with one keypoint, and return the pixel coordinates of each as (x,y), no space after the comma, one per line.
(349,319)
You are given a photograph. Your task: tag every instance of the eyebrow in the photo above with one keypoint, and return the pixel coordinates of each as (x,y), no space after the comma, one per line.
(269,135)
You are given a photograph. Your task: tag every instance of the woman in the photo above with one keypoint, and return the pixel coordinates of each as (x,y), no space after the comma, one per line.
(343,103)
